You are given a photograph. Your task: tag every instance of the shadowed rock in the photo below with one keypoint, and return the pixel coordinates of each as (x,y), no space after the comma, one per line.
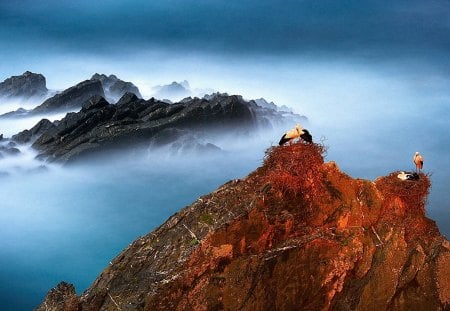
(71,98)
(100,127)
(27,85)
(34,133)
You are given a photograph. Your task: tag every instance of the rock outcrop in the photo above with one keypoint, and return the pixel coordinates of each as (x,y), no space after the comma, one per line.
(101,126)
(114,87)
(34,133)
(62,297)
(71,98)
(27,85)
(296,234)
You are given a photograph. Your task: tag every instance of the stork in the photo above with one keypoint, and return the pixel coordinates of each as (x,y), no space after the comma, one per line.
(408,176)
(298,131)
(418,161)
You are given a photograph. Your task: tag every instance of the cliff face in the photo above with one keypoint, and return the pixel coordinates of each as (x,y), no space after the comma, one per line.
(296,234)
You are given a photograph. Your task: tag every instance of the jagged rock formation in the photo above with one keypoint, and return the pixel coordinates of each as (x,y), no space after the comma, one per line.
(271,105)
(114,87)
(100,126)
(296,234)
(265,104)
(71,98)
(27,85)
(34,133)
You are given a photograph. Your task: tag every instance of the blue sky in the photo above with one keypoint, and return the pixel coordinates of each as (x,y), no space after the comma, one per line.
(366,29)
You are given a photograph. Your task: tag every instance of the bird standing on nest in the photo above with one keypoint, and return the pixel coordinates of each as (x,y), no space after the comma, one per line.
(418,161)
(298,131)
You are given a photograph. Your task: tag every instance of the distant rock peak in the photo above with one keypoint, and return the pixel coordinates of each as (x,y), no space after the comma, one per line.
(25,86)
(114,87)
(173,91)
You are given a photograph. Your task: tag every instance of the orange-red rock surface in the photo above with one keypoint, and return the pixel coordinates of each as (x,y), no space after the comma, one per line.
(296,234)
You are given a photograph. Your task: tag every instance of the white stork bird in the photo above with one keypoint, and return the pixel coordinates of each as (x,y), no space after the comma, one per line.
(418,161)
(408,176)
(298,131)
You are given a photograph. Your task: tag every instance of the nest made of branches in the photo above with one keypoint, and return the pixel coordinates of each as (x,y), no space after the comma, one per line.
(413,192)
(296,170)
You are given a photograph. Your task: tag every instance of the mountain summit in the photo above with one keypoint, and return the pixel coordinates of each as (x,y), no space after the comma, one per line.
(296,234)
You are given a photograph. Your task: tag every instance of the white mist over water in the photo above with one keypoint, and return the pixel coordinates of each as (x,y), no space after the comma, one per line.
(68,223)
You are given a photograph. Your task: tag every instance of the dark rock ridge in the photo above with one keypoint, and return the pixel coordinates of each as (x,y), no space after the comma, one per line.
(114,87)
(296,234)
(101,126)
(71,98)
(34,133)
(27,85)
(266,116)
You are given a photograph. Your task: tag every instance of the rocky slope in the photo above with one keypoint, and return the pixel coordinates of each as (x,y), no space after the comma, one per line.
(71,98)
(296,234)
(27,85)
(101,127)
